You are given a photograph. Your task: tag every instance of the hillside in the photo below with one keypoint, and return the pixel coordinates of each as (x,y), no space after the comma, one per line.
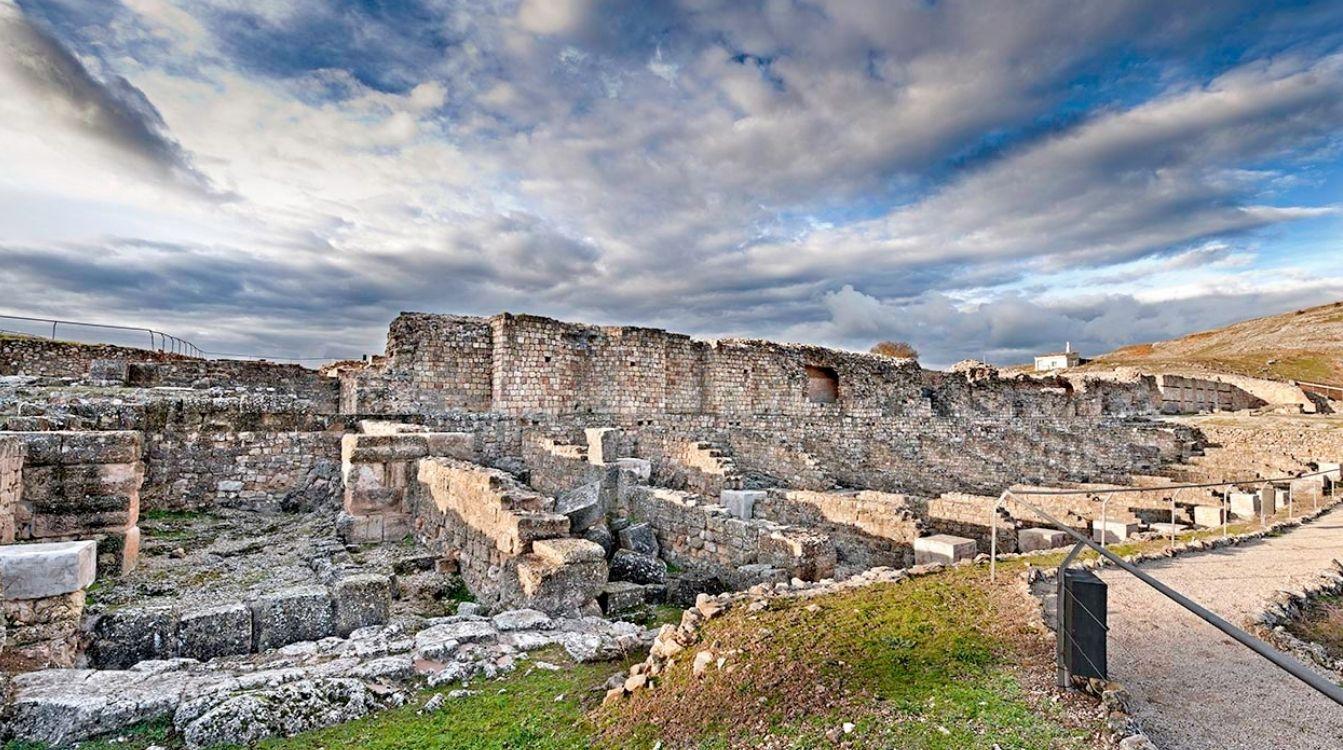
(1302,345)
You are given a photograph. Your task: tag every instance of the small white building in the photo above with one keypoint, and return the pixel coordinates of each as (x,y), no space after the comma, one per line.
(1058,360)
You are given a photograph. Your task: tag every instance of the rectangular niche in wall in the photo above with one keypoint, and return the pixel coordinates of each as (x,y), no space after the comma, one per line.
(822,385)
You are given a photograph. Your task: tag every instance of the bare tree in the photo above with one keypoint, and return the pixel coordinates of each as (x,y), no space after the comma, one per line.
(896,349)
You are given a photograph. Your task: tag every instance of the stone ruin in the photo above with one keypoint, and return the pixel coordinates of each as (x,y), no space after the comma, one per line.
(251,527)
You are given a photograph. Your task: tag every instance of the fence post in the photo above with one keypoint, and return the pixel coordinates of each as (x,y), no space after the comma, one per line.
(993,535)
(1172,521)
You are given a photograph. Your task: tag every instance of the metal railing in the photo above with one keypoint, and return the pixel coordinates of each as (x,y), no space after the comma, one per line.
(158,340)
(1283,661)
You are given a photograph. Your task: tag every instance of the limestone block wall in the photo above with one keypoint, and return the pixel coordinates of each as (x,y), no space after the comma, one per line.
(65,359)
(239,453)
(540,365)
(270,377)
(11,484)
(485,520)
(697,465)
(41,633)
(433,363)
(144,368)
(83,485)
(968,516)
(868,528)
(694,532)
(554,466)
(1298,439)
(379,471)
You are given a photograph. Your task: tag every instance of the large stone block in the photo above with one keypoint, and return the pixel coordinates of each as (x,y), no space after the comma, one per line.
(566,551)
(943,548)
(1244,504)
(559,588)
(1113,530)
(1208,516)
(628,565)
(603,444)
(360,601)
(582,505)
(741,503)
(217,631)
(639,538)
(126,637)
(804,554)
(1034,540)
(34,571)
(284,617)
(617,597)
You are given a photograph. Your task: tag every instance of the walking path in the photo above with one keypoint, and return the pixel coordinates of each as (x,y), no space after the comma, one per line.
(1196,689)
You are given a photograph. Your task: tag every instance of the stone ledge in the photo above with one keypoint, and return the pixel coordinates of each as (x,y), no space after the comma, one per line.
(36,571)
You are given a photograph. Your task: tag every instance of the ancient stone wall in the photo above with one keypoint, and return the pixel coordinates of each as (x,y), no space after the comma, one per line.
(868,528)
(968,516)
(65,359)
(380,471)
(202,451)
(697,533)
(1299,440)
(262,377)
(540,365)
(554,466)
(510,546)
(83,485)
(696,465)
(433,363)
(110,365)
(11,484)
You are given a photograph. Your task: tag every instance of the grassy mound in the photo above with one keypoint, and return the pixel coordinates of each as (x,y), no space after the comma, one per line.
(941,661)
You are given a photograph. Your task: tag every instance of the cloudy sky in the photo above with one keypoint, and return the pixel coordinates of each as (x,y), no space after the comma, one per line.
(981,179)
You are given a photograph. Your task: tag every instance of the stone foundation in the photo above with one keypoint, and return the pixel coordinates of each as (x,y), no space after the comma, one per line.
(487,522)
(80,485)
(12,451)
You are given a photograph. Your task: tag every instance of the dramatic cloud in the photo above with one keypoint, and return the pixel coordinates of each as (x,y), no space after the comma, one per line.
(976,178)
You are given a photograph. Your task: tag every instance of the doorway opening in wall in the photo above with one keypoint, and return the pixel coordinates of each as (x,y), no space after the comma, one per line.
(822,385)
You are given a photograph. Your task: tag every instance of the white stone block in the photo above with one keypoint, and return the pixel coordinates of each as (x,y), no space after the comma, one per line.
(943,548)
(36,571)
(1033,540)
(1207,516)
(1113,530)
(741,503)
(1166,529)
(641,468)
(1244,504)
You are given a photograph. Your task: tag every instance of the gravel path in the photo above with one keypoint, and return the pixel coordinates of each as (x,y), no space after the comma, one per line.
(1193,687)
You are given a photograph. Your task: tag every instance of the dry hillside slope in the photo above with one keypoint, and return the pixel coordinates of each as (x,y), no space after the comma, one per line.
(1302,345)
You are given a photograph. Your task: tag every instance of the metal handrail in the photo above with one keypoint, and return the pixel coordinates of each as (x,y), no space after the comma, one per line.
(1283,661)
(158,340)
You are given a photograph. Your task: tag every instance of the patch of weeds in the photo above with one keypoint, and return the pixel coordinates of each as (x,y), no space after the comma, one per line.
(537,710)
(1322,623)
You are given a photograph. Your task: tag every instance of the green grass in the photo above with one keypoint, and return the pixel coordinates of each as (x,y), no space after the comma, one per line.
(136,738)
(927,663)
(520,711)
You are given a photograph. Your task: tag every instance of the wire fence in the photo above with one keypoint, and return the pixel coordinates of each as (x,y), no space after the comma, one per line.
(1282,661)
(158,341)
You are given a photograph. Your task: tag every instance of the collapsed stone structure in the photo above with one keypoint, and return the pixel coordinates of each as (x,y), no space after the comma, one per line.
(571,470)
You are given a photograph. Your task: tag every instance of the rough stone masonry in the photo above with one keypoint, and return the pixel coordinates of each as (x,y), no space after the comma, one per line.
(320,527)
